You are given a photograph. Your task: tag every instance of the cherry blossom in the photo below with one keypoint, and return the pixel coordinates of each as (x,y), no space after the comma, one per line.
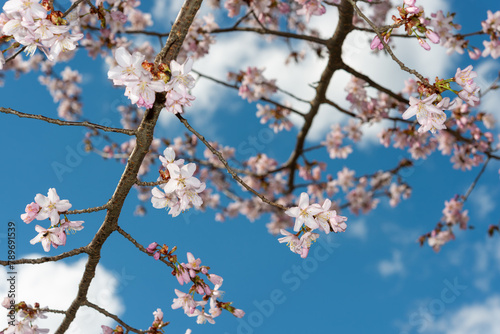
(428,115)
(304,213)
(32,210)
(51,206)
(51,236)
(180,75)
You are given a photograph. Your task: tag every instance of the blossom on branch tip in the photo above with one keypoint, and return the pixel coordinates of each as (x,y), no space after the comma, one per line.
(51,236)
(32,210)
(428,115)
(51,206)
(129,66)
(180,77)
(303,213)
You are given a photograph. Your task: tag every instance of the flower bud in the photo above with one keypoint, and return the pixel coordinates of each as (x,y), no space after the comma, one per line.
(432,36)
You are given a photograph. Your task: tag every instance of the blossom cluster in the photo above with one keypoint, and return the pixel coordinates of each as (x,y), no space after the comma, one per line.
(188,273)
(253,84)
(142,82)
(30,24)
(51,207)
(429,111)
(309,217)
(412,18)
(278,117)
(181,188)
(444,26)
(156,327)
(27,314)
(453,214)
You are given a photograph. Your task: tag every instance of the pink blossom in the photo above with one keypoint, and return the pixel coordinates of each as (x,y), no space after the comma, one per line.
(129,66)
(158,314)
(32,210)
(475,53)
(180,75)
(185,301)
(215,279)
(491,48)
(470,97)
(107,330)
(311,7)
(291,240)
(304,213)
(465,78)
(436,240)
(51,206)
(428,115)
(142,91)
(182,275)
(51,236)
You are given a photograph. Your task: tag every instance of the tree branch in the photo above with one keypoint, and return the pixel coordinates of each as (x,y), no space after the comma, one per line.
(68,123)
(46,259)
(224,162)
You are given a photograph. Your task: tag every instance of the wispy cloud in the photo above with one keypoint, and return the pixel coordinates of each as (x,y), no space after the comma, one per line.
(476,318)
(55,285)
(358,229)
(391,267)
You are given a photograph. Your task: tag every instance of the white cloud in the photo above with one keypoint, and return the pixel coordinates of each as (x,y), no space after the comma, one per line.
(55,285)
(487,72)
(391,267)
(477,318)
(487,262)
(358,229)
(482,199)
(235,51)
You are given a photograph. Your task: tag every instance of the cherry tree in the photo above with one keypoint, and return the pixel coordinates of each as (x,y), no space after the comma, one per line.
(304,196)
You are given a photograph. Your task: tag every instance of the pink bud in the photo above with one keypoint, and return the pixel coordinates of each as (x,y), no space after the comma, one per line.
(475,53)
(412,10)
(305,252)
(238,313)
(151,248)
(156,255)
(375,42)
(410,2)
(432,36)
(424,44)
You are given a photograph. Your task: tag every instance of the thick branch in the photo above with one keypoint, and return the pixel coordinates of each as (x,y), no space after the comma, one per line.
(334,46)
(144,135)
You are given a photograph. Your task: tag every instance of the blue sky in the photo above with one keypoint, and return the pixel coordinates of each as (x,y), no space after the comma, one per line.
(374,277)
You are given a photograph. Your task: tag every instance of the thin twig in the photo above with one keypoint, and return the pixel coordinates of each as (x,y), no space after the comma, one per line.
(141,247)
(478,176)
(150,184)
(46,259)
(224,162)
(112,316)
(387,47)
(67,123)
(95,209)
(262,98)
